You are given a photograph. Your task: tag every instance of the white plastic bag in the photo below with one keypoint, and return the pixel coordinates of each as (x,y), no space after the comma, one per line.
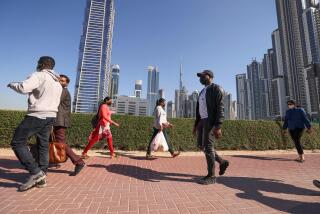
(159,143)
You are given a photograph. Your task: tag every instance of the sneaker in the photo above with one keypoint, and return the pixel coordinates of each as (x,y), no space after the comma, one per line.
(42,183)
(175,154)
(300,160)
(207,180)
(32,181)
(316,183)
(203,178)
(114,156)
(77,169)
(84,156)
(149,156)
(223,167)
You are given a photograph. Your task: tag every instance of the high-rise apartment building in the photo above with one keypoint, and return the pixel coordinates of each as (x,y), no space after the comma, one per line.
(138,89)
(242,97)
(171,112)
(153,88)
(115,74)
(161,93)
(93,72)
(293,47)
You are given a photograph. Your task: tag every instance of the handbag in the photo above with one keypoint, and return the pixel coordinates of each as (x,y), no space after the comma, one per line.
(57,151)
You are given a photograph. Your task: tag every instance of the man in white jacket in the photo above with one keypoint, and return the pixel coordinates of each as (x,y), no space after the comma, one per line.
(44,91)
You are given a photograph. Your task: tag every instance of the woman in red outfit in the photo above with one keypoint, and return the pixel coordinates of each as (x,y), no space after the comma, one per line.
(102,129)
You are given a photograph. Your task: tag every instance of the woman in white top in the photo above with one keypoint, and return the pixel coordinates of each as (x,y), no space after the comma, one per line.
(161,124)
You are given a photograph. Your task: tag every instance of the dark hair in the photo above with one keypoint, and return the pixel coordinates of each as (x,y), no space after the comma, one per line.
(106,99)
(46,62)
(161,100)
(291,102)
(65,76)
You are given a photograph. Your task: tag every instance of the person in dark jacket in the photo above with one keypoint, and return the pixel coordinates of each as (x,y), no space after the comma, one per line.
(207,126)
(63,121)
(296,120)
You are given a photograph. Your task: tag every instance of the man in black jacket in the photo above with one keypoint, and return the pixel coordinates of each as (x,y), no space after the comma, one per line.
(209,117)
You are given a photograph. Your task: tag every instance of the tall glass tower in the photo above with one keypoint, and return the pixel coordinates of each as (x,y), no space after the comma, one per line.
(138,89)
(93,72)
(115,81)
(153,88)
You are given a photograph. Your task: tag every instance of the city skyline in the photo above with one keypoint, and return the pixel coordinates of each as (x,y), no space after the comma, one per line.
(137,43)
(290,69)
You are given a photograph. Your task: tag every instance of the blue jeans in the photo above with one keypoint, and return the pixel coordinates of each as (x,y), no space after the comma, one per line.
(31,126)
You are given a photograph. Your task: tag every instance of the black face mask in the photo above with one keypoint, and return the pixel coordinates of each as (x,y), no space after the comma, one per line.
(203,81)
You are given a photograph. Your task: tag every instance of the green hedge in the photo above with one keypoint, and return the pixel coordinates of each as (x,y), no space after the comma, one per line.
(134,133)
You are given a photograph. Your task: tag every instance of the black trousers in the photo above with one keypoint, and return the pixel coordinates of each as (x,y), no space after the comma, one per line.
(155,132)
(296,135)
(205,143)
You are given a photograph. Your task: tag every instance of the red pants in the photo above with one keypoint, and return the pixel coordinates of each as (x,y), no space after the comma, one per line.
(95,137)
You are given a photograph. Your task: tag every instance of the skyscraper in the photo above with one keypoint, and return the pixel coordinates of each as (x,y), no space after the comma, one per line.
(161,93)
(115,71)
(242,97)
(278,87)
(192,105)
(227,103)
(177,101)
(233,115)
(181,97)
(93,72)
(171,112)
(153,88)
(138,89)
(254,93)
(311,26)
(293,47)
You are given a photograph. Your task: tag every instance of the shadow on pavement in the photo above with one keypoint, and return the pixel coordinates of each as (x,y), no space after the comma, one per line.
(147,174)
(251,188)
(261,157)
(134,157)
(7,172)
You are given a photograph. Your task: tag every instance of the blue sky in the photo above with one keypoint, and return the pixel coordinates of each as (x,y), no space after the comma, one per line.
(207,34)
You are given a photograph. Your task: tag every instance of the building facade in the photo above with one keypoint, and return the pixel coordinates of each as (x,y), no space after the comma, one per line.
(171,112)
(161,93)
(138,89)
(93,80)
(191,105)
(153,88)
(115,75)
(242,97)
(293,47)
(227,103)
(131,106)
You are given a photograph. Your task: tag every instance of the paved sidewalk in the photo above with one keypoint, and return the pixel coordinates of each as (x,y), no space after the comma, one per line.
(131,184)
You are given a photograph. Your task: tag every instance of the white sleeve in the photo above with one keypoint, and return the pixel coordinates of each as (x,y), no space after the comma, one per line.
(158,116)
(26,86)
